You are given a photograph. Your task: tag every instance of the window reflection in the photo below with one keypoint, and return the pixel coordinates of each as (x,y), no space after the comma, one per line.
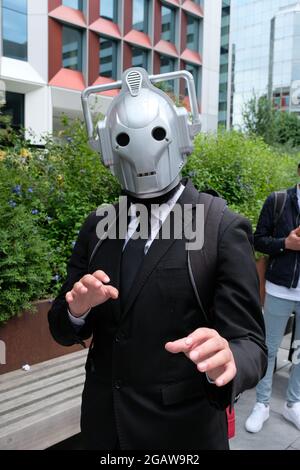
(109,10)
(14,26)
(139,57)
(76,4)
(108,58)
(194,70)
(167,24)
(167,64)
(72,48)
(192,39)
(140,15)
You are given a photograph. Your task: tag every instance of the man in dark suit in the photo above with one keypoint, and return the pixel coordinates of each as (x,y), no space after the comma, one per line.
(156,376)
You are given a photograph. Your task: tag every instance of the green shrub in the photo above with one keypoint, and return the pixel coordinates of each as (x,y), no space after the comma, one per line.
(55,188)
(243,170)
(24,261)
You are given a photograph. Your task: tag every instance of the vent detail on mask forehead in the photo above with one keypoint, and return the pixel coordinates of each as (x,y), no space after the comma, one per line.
(134,82)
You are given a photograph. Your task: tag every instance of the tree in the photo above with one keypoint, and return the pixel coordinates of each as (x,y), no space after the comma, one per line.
(274,126)
(259,117)
(287,129)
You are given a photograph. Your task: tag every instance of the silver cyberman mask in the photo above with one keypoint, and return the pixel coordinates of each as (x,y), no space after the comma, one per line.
(144,139)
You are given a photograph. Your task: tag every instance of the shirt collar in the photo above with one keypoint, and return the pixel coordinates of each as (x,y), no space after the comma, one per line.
(159,211)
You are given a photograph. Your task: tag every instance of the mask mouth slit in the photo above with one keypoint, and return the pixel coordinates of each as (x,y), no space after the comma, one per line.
(141,175)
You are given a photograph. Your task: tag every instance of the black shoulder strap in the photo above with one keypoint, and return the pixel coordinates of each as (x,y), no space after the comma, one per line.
(101,240)
(279,204)
(202,263)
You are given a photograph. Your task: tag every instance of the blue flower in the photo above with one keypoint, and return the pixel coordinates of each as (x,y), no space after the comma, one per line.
(30,190)
(34,212)
(17,189)
(12,203)
(56,278)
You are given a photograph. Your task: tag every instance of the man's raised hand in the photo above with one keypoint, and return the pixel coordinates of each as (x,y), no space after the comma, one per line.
(89,291)
(210,352)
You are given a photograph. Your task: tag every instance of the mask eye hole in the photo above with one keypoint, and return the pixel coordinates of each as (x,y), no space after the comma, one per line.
(123,139)
(159,133)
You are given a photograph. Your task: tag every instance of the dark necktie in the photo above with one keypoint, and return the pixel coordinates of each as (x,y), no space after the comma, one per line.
(132,259)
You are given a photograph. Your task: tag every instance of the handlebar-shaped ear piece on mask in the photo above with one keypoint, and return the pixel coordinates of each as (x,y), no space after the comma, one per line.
(133,80)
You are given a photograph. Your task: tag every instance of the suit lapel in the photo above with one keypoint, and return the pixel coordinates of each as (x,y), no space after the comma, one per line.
(159,247)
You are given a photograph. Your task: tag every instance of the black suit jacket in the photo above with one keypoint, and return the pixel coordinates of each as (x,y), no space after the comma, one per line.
(137,392)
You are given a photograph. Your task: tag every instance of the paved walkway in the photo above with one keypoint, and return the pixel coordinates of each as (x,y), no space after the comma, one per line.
(277,433)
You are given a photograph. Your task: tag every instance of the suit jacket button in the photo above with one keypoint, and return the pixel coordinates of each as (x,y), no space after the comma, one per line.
(119,337)
(118,384)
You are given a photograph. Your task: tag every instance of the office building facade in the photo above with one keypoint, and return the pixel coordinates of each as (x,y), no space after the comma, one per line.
(52,49)
(264,45)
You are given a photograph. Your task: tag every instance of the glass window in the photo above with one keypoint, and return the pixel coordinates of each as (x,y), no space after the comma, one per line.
(194,70)
(14,27)
(199,2)
(297,24)
(192,36)
(139,57)
(14,107)
(167,24)
(167,64)
(76,4)
(72,48)
(140,15)
(109,10)
(108,58)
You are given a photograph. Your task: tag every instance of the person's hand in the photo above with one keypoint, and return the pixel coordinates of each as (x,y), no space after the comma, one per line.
(90,291)
(210,352)
(292,242)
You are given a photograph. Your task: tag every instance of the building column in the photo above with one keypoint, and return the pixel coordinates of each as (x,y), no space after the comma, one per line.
(38,114)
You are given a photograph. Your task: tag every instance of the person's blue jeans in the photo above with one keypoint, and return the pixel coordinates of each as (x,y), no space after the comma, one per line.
(276,314)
